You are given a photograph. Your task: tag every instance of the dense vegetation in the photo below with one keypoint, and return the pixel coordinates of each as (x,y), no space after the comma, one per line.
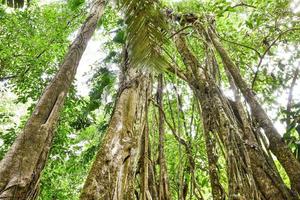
(187,100)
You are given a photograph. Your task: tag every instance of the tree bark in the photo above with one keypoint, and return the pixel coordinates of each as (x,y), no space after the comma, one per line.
(277,144)
(266,175)
(152,181)
(163,177)
(218,192)
(212,101)
(213,108)
(21,167)
(144,153)
(113,171)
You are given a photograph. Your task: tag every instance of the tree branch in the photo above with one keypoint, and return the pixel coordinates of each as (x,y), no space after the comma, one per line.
(267,50)
(290,99)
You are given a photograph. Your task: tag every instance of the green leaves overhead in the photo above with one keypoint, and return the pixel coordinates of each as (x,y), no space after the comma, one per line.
(75,4)
(146,32)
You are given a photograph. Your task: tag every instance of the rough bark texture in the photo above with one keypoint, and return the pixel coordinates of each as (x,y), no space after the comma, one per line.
(144,153)
(21,167)
(212,155)
(266,175)
(218,115)
(163,178)
(277,144)
(240,178)
(152,181)
(113,171)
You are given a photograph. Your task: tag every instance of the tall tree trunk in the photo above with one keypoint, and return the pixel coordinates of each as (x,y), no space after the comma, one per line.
(218,192)
(113,171)
(145,191)
(212,102)
(21,167)
(277,144)
(263,168)
(152,181)
(163,177)
(239,175)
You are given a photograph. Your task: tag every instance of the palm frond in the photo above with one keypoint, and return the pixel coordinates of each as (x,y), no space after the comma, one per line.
(146,32)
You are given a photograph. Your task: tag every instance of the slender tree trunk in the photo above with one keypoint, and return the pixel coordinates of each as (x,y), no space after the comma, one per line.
(21,167)
(266,175)
(212,106)
(212,155)
(145,192)
(277,144)
(163,177)
(152,181)
(213,102)
(113,171)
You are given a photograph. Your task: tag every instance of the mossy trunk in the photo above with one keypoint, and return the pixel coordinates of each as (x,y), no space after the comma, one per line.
(21,167)
(277,144)
(244,161)
(113,171)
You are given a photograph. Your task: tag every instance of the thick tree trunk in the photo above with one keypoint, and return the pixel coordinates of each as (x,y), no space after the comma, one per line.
(113,171)
(163,177)
(21,167)
(215,107)
(277,144)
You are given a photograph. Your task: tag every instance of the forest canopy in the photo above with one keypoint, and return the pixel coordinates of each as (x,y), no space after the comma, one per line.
(152,99)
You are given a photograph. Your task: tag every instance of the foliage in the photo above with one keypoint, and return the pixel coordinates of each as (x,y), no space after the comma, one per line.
(262,37)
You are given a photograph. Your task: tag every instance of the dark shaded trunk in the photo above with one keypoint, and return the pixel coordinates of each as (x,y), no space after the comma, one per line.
(151,171)
(21,167)
(14,3)
(240,178)
(113,171)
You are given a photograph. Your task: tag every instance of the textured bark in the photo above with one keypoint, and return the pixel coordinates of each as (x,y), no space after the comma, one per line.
(163,177)
(21,167)
(145,192)
(277,144)
(266,175)
(218,192)
(113,171)
(240,177)
(152,181)
(212,101)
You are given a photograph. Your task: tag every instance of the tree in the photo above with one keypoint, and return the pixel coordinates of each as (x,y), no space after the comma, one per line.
(112,173)
(21,167)
(200,85)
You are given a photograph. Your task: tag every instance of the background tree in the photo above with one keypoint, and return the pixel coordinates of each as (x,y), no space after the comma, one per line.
(207,116)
